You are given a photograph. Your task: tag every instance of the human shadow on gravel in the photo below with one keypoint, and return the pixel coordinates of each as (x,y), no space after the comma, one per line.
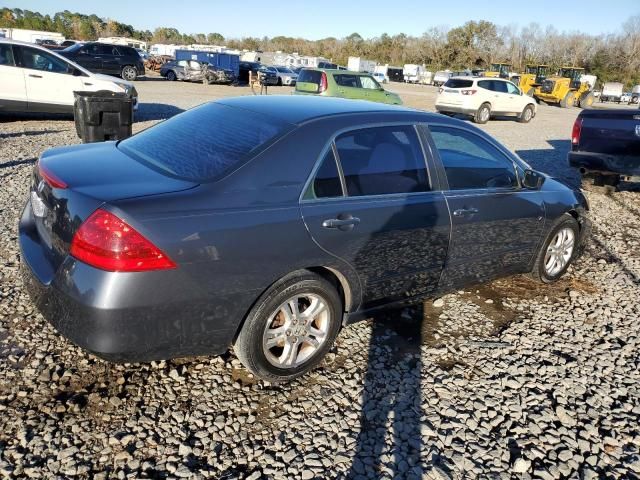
(553,161)
(28,133)
(16,163)
(155,111)
(392,398)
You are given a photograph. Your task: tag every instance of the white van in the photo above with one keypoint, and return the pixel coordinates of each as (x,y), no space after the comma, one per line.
(35,79)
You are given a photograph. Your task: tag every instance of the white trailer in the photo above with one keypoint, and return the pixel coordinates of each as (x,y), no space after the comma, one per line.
(412,73)
(30,36)
(164,49)
(611,92)
(359,64)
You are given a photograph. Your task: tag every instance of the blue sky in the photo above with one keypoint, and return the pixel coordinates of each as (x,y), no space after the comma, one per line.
(321,18)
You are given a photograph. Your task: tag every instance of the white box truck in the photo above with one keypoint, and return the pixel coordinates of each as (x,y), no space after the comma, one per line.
(412,73)
(359,64)
(30,36)
(611,92)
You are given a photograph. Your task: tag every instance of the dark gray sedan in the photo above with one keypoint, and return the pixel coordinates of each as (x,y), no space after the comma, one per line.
(269,223)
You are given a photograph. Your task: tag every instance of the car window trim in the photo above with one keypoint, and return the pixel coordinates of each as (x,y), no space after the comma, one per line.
(345,193)
(442,170)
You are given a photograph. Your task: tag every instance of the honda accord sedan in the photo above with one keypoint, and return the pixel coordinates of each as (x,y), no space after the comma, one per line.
(268,223)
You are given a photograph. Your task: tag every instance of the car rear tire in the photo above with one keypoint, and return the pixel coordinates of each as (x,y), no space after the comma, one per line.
(483,114)
(290,328)
(171,76)
(526,115)
(558,251)
(129,72)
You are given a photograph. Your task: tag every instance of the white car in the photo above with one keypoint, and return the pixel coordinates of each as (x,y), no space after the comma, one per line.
(285,75)
(380,77)
(34,79)
(482,98)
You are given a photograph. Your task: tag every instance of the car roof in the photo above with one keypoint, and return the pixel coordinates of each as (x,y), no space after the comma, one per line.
(297,109)
(336,70)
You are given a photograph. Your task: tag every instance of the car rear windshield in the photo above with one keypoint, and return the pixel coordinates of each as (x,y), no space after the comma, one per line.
(205,143)
(458,83)
(310,76)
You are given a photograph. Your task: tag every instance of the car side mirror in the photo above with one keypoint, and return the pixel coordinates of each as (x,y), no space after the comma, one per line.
(532,179)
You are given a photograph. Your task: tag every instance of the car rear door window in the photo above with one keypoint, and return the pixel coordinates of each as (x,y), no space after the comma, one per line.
(6,55)
(204,143)
(471,162)
(326,182)
(486,84)
(347,80)
(382,160)
(499,86)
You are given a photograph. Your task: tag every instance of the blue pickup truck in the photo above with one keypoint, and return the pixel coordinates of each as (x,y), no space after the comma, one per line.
(605,147)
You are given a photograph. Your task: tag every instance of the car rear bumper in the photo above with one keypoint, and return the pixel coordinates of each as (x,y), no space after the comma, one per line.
(588,162)
(450,108)
(126,317)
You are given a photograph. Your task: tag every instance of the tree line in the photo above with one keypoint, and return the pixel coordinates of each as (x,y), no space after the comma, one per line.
(612,57)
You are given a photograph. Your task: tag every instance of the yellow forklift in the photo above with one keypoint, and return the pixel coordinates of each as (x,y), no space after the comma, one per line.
(502,70)
(532,77)
(566,89)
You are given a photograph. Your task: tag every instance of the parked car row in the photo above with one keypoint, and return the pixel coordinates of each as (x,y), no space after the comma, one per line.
(36,79)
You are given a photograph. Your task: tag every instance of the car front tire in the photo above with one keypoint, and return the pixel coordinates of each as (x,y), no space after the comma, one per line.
(526,115)
(129,72)
(291,328)
(171,76)
(558,251)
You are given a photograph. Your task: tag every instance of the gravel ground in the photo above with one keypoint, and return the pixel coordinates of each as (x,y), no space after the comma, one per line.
(508,380)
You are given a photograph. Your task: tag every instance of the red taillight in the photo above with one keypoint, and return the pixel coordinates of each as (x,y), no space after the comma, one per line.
(49,177)
(576,132)
(323,83)
(469,92)
(106,242)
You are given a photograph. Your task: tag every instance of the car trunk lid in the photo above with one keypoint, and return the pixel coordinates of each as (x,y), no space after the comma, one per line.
(70,183)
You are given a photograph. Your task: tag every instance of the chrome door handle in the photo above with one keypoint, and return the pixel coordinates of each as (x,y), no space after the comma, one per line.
(343,224)
(463,212)
(35,76)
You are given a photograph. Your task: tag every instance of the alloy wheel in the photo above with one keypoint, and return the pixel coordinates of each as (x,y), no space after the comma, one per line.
(129,73)
(296,330)
(559,251)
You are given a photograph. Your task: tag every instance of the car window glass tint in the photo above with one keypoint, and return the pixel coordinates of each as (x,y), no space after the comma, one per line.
(499,86)
(347,80)
(383,160)
(472,162)
(512,89)
(368,83)
(486,84)
(39,60)
(458,83)
(204,143)
(310,76)
(6,55)
(326,183)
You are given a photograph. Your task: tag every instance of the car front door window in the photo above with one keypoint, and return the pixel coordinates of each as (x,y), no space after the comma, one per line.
(369,83)
(35,59)
(471,162)
(512,89)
